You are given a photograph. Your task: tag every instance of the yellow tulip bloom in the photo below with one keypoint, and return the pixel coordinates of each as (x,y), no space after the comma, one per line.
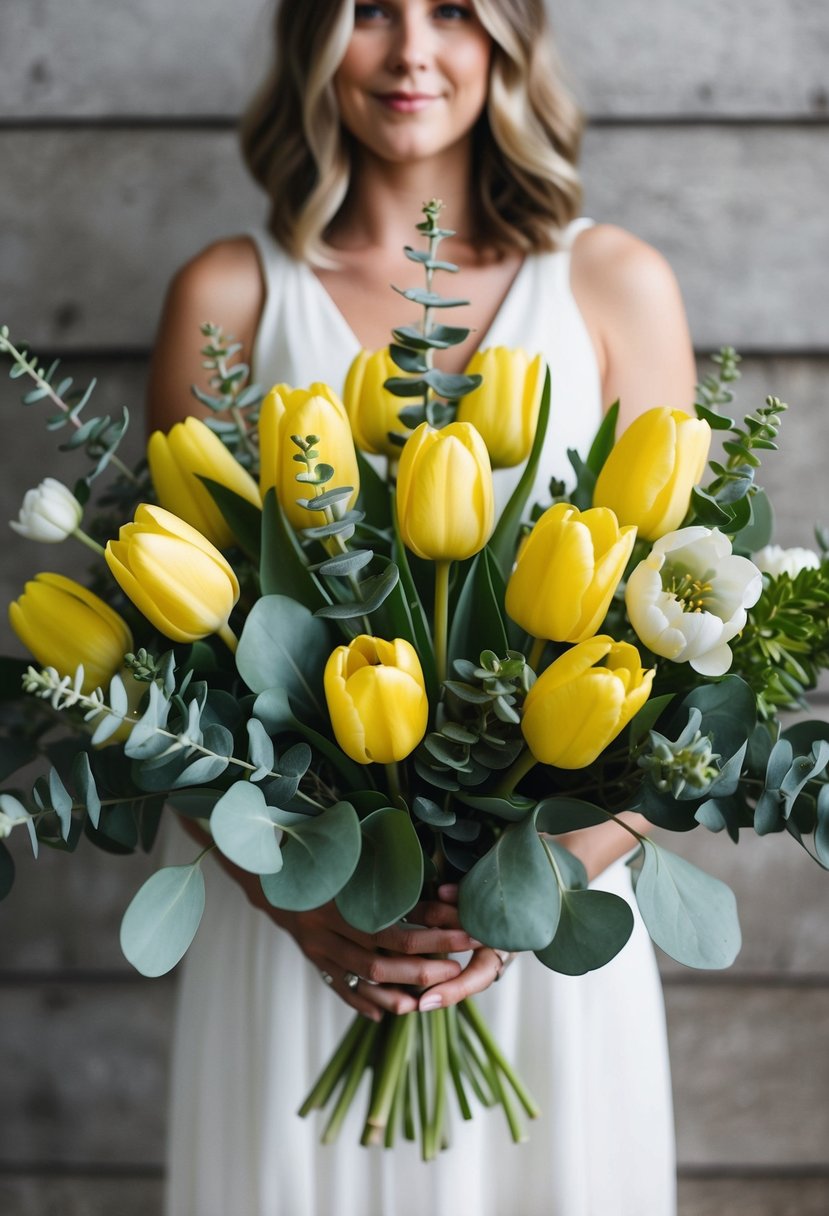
(567,571)
(372,410)
(181,583)
(317,411)
(577,707)
(189,451)
(445,502)
(63,625)
(377,699)
(648,477)
(505,407)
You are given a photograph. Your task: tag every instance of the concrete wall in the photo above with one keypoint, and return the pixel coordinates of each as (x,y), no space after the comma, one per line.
(709,139)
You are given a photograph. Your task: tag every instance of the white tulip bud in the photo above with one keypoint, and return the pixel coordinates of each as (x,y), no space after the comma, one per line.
(50,513)
(776,561)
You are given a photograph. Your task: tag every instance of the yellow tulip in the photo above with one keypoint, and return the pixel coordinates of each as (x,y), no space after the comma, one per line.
(445,503)
(567,571)
(181,583)
(177,460)
(372,410)
(577,707)
(63,625)
(505,407)
(304,411)
(648,477)
(377,699)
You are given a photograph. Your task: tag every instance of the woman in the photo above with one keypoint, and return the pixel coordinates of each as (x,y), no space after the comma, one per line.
(371,109)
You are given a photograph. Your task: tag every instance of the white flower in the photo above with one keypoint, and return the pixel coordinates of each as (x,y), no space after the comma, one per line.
(49,513)
(688,598)
(776,561)
(7,821)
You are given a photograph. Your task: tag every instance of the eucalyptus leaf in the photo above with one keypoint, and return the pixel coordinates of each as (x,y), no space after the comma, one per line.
(162,919)
(511,899)
(563,814)
(320,855)
(260,749)
(688,913)
(274,709)
(728,711)
(512,809)
(245,829)
(61,802)
(84,783)
(592,929)
(432,813)
(389,876)
(284,645)
(374,591)
(822,826)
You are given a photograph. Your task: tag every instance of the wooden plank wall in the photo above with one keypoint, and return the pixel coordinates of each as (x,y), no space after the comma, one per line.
(709,138)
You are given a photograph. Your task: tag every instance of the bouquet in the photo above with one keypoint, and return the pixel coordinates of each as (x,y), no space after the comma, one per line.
(374,687)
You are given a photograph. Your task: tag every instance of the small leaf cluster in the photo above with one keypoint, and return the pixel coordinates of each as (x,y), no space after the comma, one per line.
(785,644)
(99,437)
(479,732)
(232,394)
(413,347)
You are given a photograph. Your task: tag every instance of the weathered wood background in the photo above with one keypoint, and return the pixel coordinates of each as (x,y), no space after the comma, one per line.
(709,138)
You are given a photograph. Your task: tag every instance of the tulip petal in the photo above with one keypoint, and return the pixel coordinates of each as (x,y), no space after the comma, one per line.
(177,492)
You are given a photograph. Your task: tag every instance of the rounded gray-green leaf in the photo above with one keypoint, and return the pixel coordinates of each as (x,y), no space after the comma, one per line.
(162,919)
(320,855)
(387,881)
(245,828)
(592,929)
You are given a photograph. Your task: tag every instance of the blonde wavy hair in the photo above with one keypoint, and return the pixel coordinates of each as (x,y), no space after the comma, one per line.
(524,179)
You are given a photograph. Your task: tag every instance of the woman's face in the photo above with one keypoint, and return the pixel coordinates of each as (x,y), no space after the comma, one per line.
(414,78)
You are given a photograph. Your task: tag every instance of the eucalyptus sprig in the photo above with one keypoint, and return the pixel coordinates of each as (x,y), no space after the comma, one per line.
(99,437)
(232,394)
(413,349)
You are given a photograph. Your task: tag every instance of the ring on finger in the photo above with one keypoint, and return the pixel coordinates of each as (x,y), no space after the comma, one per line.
(327,978)
(351,980)
(504,957)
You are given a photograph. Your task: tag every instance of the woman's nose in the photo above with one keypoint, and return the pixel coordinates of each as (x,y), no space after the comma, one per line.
(411,45)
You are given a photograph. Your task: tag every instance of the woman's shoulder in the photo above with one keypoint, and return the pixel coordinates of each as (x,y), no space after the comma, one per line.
(613,263)
(224,282)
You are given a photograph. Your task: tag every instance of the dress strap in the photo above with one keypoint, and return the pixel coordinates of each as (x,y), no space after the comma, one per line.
(569,234)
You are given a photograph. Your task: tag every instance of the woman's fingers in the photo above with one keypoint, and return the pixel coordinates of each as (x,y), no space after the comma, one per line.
(482,970)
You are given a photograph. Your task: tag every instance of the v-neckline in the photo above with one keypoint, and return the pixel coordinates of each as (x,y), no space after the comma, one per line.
(339,316)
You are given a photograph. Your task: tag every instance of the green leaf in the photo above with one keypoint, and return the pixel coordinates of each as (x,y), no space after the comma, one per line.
(319,856)
(375,496)
(451,385)
(504,540)
(162,919)
(408,360)
(375,591)
(260,749)
(345,563)
(246,829)
(84,783)
(511,899)
(432,813)
(592,929)
(803,769)
(282,568)
(195,803)
(562,814)
(284,645)
(242,517)
(728,711)
(429,299)
(689,914)
(602,445)
(478,619)
(759,530)
(513,809)
(274,710)
(822,826)
(61,802)
(647,717)
(389,876)
(440,337)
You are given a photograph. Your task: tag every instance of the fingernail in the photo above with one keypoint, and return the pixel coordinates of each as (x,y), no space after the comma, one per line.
(448,890)
(475,944)
(431,1000)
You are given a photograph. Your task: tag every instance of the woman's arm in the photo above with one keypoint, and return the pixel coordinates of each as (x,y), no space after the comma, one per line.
(222,284)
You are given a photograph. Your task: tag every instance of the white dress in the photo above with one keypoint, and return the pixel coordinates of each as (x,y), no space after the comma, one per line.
(255,1022)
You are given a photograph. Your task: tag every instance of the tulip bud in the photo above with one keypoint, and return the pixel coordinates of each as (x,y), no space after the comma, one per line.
(648,477)
(181,583)
(505,407)
(577,707)
(377,699)
(688,598)
(65,625)
(50,513)
(373,411)
(316,411)
(567,571)
(445,502)
(177,461)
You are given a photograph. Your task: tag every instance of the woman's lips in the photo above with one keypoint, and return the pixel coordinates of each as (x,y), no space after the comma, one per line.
(406,103)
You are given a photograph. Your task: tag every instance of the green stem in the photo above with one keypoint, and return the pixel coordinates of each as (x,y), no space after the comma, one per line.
(515,774)
(455,1053)
(244,434)
(536,653)
(441,617)
(470,1011)
(80,535)
(331,1074)
(228,637)
(359,1063)
(395,1054)
(440,1055)
(393,778)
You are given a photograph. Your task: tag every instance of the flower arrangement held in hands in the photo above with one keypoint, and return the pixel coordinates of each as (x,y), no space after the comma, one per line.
(376,687)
